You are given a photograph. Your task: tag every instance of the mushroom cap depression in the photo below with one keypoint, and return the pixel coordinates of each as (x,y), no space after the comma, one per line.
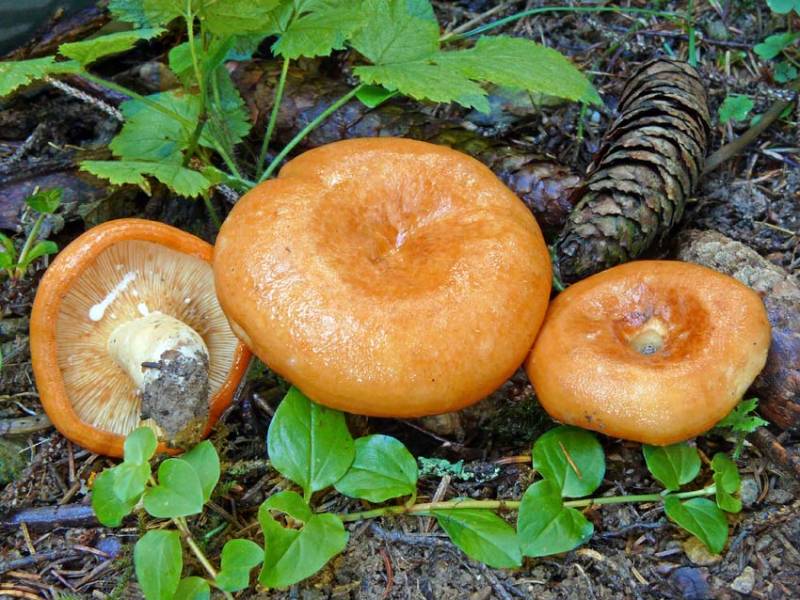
(651,351)
(385,276)
(111,274)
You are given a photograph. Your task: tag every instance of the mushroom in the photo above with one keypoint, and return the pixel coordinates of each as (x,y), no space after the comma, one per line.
(651,351)
(125,326)
(385,276)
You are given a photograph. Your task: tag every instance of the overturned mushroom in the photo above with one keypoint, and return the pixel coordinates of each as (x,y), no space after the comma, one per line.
(650,351)
(385,276)
(126,327)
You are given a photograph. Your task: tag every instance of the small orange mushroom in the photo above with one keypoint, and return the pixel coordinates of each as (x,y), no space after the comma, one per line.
(652,351)
(125,322)
(385,276)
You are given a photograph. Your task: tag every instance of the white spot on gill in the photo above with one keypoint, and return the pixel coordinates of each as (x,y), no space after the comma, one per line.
(99,310)
(142,307)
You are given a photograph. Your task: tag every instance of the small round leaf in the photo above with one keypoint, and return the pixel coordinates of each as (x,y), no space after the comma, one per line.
(383,468)
(672,465)
(158,562)
(572,459)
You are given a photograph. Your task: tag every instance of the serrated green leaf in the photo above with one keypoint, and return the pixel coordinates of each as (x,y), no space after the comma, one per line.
(545,526)
(727,483)
(775,44)
(783,7)
(735,108)
(158,562)
(130,480)
(149,134)
(183,181)
(373,96)
(161,12)
(179,492)
(110,510)
(522,64)
(481,535)
(234,17)
(46,201)
(205,461)
(672,465)
(140,446)
(425,81)
(742,417)
(309,443)
(130,11)
(17,73)
(88,51)
(291,555)
(39,249)
(572,459)
(238,558)
(323,28)
(192,588)
(392,32)
(383,468)
(229,122)
(700,517)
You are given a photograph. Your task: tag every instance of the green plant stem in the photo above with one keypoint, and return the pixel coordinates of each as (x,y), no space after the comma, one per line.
(545,9)
(180,523)
(198,74)
(505,505)
(690,31)
(26,248)
(273,116)
(307,129)
(212,212)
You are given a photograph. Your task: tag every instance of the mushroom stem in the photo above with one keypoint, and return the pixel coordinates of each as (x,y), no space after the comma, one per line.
(168,361)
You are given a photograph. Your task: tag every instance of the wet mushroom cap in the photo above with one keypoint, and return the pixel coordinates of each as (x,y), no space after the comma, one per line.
(651,351)
(385,276)
(125,290)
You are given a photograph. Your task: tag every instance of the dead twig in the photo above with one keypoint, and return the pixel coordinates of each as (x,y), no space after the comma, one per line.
(774,450)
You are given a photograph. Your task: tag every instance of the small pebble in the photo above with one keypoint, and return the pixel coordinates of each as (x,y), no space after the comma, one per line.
(745,582)
(698,554)
(779,496)
(692,583)
(749,492)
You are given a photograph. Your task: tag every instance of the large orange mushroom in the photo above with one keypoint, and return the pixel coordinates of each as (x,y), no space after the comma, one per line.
(385,276)
(651,351)
(126,329)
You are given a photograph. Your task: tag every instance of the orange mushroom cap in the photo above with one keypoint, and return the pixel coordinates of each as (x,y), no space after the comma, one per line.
(112,274)
(651,351)
(385,276)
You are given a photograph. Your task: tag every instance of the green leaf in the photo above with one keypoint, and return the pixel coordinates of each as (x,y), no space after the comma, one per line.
(481,535)
(158,561)
(572,459)
(308,443)
(775,44)
(183,181)
(130,11)
(42,248)
(16,73)
(323,28)
(110,510)
(238,558)
(205,461)
(8,253)
(161,12)
(742,418)
(700,517)
(735,108)
(88,51)
(46,201)
(193,588)
(229,122)
(292,555)
(727,482)
(373,96)
(290,503)
(178,493)
(785,72)
(383,468)
(140,446)
(130,480)
(672,465)
(392,32)
(233,17)
(522,64)
(782,7)
(545,526)
(149,134)
(425,81)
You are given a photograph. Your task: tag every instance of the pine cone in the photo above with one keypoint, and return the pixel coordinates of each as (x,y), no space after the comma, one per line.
(647,168)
